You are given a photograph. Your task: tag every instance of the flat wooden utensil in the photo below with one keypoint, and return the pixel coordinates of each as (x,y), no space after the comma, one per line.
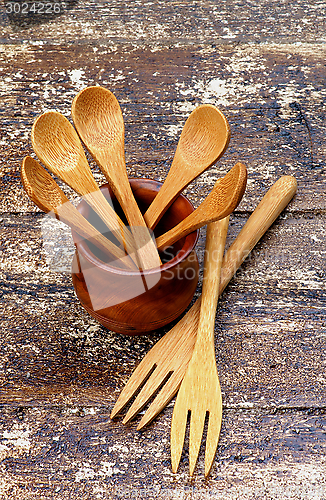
(163,367)
(204,138)
(47,195)
(200,390)
(222,200)
(99,122)
(57,145)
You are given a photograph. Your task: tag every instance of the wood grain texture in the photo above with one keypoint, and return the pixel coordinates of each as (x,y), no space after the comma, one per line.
(277,128)
(275,425)
(74,452)
(172,23)
(279,361)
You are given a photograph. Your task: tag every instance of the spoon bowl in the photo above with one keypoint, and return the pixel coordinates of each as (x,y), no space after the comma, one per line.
(204,139)
(222,200)
(57,145)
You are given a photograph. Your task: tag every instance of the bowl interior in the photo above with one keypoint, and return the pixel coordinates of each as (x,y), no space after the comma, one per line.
(144,191)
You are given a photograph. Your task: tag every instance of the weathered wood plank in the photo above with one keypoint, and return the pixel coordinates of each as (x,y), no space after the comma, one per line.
(163,23)
(273,96)
(78,453)
(270,330)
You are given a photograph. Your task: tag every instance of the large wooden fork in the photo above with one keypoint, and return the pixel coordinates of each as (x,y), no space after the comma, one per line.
(165,364)
(200,391)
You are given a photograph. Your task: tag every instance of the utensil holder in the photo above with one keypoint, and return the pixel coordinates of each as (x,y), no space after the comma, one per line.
(133,302)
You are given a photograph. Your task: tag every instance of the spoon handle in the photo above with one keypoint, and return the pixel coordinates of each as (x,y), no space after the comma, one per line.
(68,214)
(42,189)
(162,201)
(147,252)
(221,201)
(269,208)
(99,203)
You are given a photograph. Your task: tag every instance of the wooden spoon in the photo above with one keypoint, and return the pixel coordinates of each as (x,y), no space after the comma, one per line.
(47,195)
(99,122)
(222,200)
(57,144)
(204,138)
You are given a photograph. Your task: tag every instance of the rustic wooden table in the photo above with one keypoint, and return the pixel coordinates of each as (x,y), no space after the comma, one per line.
(263,64)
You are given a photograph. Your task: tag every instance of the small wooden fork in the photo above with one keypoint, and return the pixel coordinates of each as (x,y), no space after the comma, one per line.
(200,391)
(165,364)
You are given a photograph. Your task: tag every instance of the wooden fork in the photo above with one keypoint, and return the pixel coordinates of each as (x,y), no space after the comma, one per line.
(200,391)
(165,364)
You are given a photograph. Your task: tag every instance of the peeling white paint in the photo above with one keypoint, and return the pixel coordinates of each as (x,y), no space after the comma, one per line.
(84,472)
(173,130)
(18,439)
(76,76)
(108,469)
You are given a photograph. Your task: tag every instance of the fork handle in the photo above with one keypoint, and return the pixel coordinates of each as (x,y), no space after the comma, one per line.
(214,250)
(269,208)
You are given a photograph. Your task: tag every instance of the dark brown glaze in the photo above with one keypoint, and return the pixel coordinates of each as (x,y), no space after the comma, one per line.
(130,302)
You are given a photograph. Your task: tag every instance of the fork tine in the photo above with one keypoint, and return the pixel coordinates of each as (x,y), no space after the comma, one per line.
(178,431)
(197,423)
(150,387)
(165,395)
(213,434)
(160,352)
(139,375)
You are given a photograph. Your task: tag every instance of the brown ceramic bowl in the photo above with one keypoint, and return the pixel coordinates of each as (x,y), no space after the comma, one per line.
(130,302)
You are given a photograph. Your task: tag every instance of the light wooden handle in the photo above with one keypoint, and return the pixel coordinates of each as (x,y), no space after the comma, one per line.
(47,195)
(270,207)
(161,202)
(177,232)
(221,201)
(147,253)
(214,250)
(100,204)
(68,214)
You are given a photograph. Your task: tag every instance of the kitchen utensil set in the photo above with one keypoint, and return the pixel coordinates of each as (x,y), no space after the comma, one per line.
(183,361)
